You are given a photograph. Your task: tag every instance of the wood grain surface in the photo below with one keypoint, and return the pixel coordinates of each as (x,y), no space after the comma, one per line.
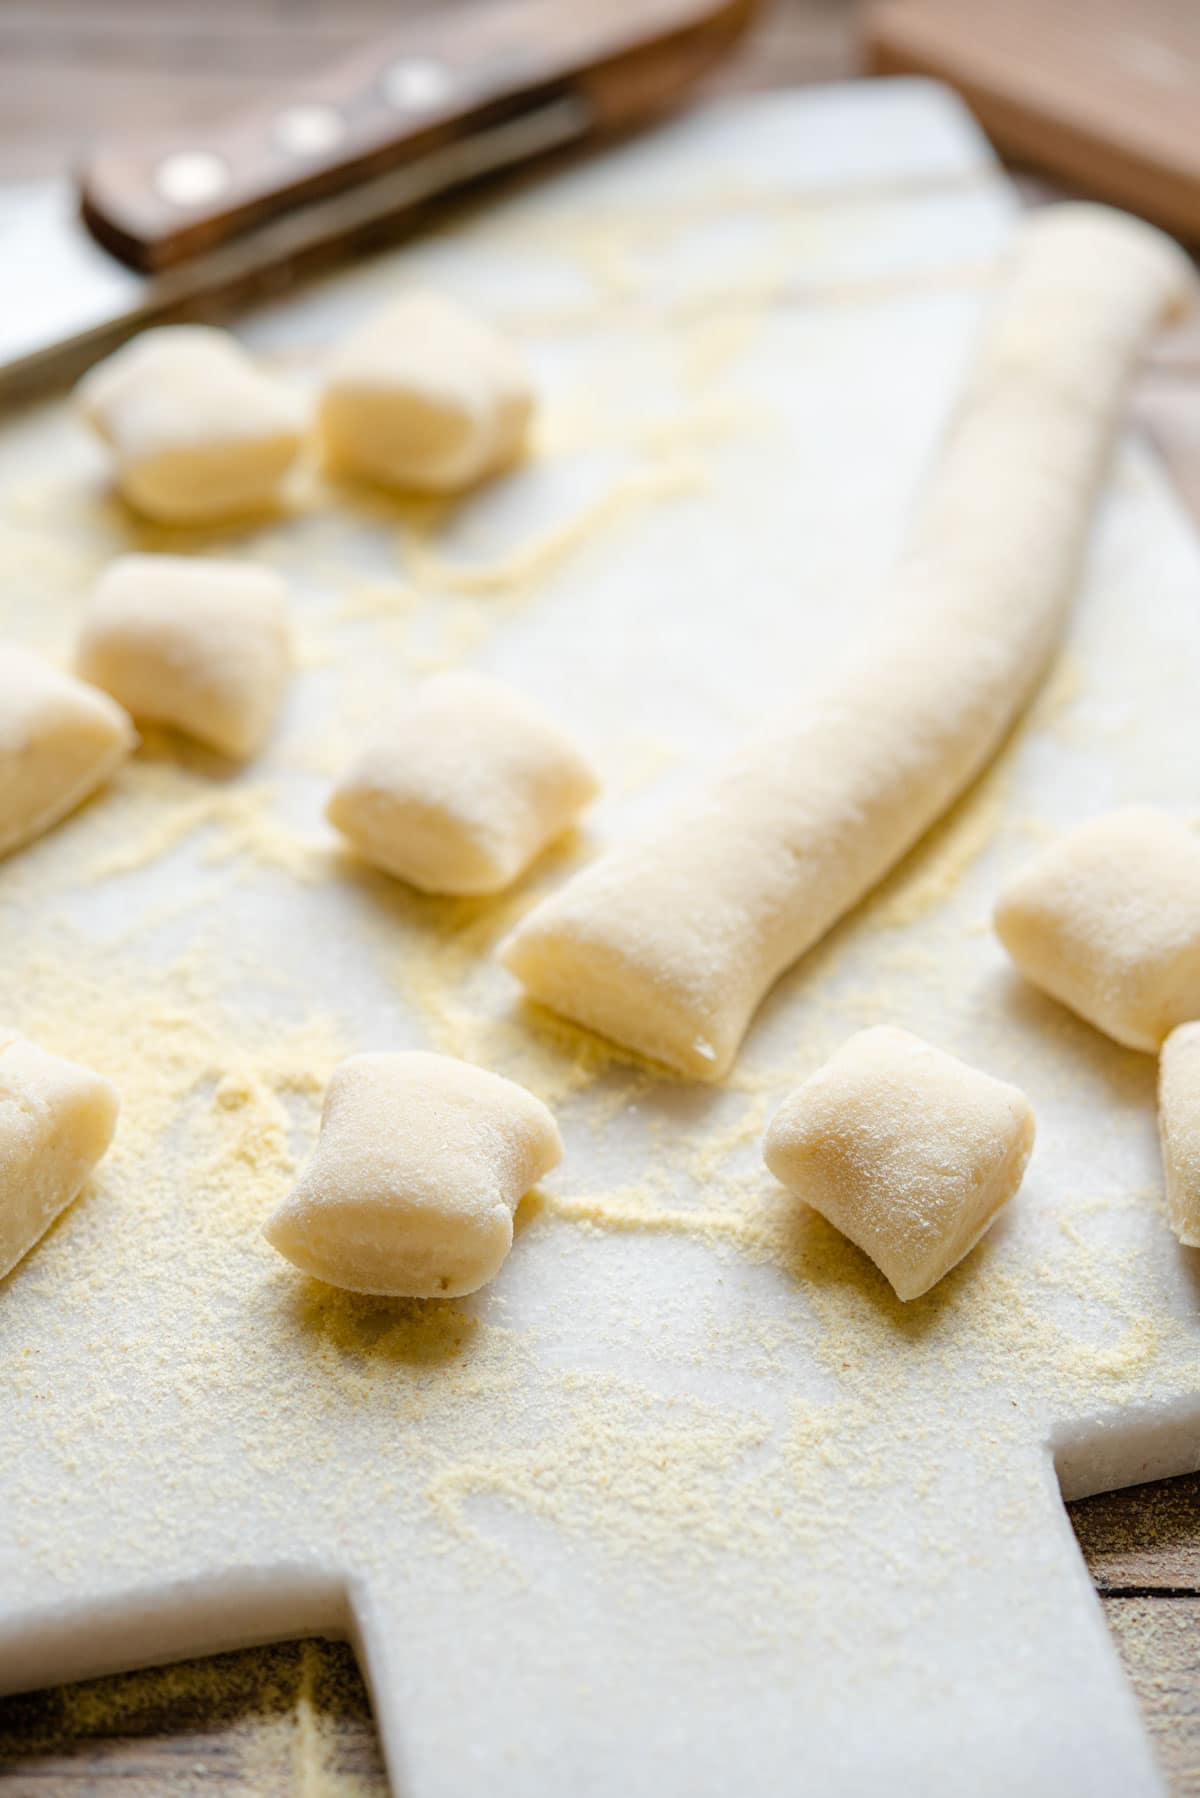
(293,1721)
(1109,100)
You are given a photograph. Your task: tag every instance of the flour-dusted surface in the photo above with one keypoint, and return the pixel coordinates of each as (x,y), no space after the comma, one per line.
(686,1502)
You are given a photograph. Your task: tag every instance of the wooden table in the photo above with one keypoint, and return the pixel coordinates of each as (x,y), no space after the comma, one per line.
(294,1719)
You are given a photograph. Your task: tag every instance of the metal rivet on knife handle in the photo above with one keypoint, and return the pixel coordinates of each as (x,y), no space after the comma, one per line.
(434,106)
(416,84)
(308,130)
(190,177)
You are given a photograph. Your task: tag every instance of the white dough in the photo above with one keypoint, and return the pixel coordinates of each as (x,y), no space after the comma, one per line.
(1179,1130)
(56,1121)
(467,785)
(197,431)
(421,1163)
(904,1149)
(195,643)
(424,396)
(59,741)
(1107,920)
(669,944)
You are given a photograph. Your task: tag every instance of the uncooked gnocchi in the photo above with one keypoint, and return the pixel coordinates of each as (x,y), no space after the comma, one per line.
(906,1150)
(59,741)
(467,785)
(195,643)
(56,1121)
(424,396)
(196,430)
(1179,1130)
(421,1163)
(1107,921)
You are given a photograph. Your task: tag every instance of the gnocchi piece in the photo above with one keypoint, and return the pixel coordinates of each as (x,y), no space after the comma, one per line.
(421,1163)
(1179,1130)
(668,945)
(197,431)
(424,396)
(191,642)
(56,1121)
(1108,922)
(904,1149)
(468,785)
(59,741)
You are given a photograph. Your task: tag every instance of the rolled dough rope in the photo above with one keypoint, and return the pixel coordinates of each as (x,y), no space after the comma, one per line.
(1179,1129)
(466,786)
(906,1150)
(193,642)
(1107,921)
(56,1121)
(421,1163)
(59,741)
(669,945)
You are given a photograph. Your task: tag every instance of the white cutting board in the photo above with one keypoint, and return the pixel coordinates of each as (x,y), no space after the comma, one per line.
(686,1505)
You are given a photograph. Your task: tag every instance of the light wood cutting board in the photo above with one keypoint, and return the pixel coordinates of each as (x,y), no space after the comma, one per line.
(686,1503)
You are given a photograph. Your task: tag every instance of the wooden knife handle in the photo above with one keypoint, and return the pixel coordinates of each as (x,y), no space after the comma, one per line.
(443,78)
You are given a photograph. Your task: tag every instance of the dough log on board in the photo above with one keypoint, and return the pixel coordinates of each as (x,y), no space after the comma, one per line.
(668,945)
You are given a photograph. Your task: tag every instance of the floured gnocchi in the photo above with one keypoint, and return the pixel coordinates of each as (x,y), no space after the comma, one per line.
(1179,1130)
(421,1163)
(424,396)
(467,785)
(59,741)
(1107,921)
(904,1149)
(56,1121)
(199,644)
(197,431)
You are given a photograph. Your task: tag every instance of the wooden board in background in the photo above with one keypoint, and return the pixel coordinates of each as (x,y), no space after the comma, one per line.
(1104,94)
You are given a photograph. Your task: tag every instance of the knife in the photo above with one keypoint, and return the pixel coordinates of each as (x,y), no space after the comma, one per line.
(181,224)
